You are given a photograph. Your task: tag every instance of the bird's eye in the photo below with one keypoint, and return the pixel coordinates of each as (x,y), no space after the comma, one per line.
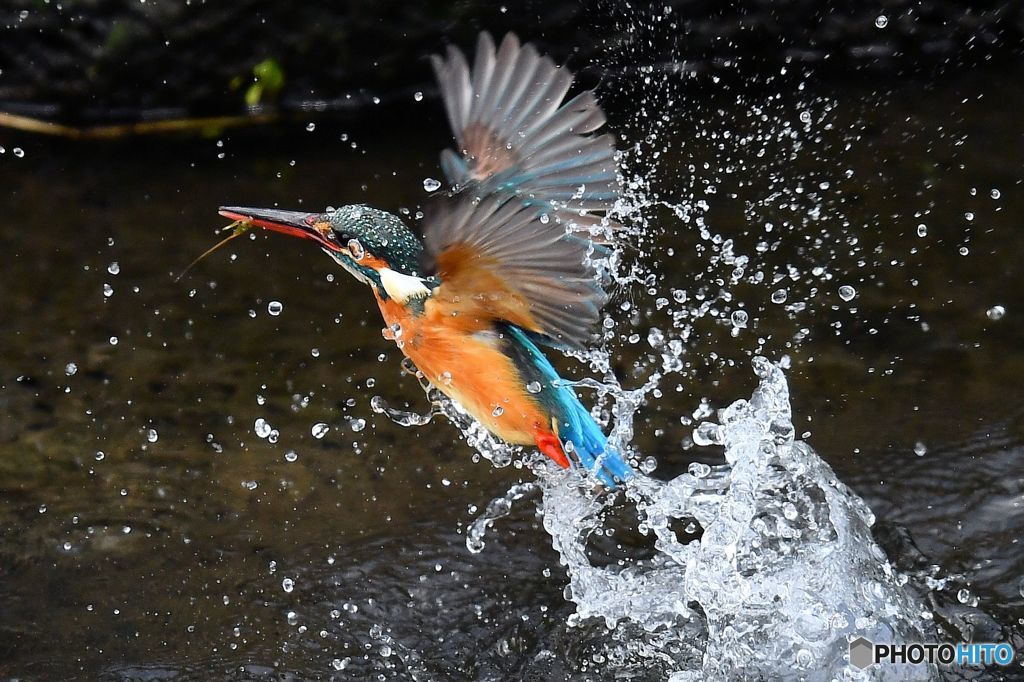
(356,249)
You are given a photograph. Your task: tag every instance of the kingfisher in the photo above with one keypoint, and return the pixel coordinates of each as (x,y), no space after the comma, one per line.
(507,262)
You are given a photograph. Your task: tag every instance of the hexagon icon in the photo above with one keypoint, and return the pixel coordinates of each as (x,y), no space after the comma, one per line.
(862,653)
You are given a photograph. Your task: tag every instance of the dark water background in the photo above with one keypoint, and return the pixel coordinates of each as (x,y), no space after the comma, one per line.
(166,559)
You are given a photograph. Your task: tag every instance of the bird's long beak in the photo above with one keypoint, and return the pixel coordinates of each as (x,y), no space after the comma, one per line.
(312,226)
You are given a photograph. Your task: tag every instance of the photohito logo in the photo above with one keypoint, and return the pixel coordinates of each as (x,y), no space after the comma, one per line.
(864,653)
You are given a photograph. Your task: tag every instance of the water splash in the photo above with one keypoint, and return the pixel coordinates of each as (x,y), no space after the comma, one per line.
(784,571)
(762,567)
(499,507)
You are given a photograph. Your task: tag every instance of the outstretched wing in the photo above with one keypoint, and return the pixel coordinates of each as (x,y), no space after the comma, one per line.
(514,133)
(499,258)
(512,242)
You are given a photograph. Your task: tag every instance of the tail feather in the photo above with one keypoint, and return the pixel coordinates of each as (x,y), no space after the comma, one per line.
(580,436)
(589,445)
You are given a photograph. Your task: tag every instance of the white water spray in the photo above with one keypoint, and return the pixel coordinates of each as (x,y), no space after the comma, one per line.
(784,573)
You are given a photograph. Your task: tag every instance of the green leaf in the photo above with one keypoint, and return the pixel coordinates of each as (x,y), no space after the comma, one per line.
(268,80)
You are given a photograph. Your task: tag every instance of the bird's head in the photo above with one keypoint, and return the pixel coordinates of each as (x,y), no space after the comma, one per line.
(374,246)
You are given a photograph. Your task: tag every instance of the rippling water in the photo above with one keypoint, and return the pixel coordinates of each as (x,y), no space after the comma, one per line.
(149,526)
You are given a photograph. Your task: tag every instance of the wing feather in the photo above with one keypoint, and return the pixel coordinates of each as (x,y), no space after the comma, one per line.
(514,133)
(497,259)
(528,172)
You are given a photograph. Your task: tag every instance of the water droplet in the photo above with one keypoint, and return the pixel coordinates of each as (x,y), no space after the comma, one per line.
(805,117)
(108,291)
(250,485)
(881,21)
(922,230)
(995,194)
(315,352)
(779,296)
(293,618)
(19,152)
(431,185)
(739,318)
(533,387)
(70,369)
(99,455)
(275,307)
(152,436)
(310,127)
(418,96)
(113,340)
(319,430)
(847,293)
(699,469)
(291,456)
(358,424)
(114,268)
(498,411)
(920,449)
(963,596)
(262,428)
(996,312)
(287,584)
(648,465)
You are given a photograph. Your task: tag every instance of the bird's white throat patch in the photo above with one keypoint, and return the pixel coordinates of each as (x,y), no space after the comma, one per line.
(401,287)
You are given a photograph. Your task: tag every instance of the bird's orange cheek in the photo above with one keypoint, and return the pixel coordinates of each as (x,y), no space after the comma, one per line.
(370,261)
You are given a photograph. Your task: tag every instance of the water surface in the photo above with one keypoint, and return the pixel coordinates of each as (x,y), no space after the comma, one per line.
(146,530)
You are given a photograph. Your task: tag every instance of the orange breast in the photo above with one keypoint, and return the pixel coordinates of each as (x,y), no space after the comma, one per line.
(466,363)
